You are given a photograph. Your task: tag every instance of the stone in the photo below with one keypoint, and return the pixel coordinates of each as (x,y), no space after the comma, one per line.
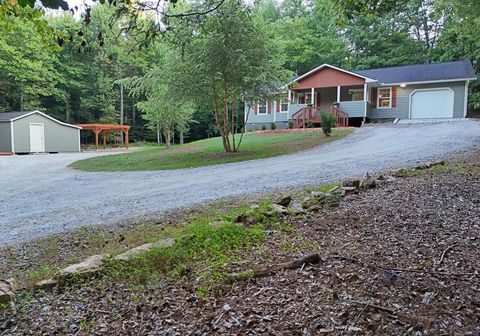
(367,182)
(284,201)
(399,172)
(279,208)
(132,253)
(308,202)
(247,219)
(320,194)
(351,183)
(90,265)
(7,290)
(349,191)
(44,284)
(296,208)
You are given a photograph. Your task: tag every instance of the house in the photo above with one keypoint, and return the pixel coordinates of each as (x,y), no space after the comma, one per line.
(36,132)
(437,90)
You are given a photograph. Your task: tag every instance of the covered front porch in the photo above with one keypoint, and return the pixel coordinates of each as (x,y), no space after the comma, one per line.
(326,86)
(307,104)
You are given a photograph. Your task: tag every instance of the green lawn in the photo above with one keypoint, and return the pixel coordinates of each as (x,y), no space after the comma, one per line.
(208,152)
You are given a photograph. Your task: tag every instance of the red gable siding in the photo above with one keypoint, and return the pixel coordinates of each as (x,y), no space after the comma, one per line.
(328,77)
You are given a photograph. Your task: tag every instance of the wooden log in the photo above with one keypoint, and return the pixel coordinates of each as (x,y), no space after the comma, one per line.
(311,258)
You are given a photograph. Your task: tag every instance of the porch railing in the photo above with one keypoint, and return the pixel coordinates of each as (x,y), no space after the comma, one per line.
(312,113)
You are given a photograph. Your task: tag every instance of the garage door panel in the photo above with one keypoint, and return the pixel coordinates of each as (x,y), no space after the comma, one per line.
(432,104)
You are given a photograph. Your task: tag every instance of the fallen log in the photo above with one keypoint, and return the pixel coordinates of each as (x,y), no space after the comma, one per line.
(311,258)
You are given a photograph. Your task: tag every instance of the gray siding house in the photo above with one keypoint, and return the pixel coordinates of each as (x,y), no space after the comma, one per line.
(419,91)
(36,132)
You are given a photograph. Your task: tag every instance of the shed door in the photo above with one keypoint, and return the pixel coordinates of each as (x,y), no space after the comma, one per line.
(37,139)
(436,103)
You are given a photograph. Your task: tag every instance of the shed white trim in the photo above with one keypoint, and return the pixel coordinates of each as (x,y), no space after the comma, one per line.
(46,116)
(12,138)
(465,102)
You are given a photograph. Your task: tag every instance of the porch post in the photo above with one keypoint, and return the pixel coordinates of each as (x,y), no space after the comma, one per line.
(289,101)
(274,112)
(313,96)
(338,94)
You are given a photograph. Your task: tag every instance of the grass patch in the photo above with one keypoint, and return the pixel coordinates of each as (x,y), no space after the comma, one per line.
(208,249)
(208,152)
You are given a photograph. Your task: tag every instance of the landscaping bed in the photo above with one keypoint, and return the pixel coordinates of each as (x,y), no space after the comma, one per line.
(400,258)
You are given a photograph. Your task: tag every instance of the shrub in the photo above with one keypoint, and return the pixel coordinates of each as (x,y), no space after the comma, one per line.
(264,127)
(309,124)
(290,124)
(328,121)
(273,126)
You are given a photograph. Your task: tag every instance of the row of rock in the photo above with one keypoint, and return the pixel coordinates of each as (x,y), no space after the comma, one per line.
(284,205)
(86,267)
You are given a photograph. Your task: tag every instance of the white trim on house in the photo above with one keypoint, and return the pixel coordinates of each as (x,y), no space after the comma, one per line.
(265,101)
(280,102)
(430,89)
(378,98)
(12,138)
(367,79)
(465,102)
(365,98)
(46,116)
(274,112)
(427,82)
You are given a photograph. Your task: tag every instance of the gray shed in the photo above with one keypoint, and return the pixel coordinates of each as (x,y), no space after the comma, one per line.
(36,132)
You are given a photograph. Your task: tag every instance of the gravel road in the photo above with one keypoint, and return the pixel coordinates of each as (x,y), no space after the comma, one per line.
(39,195)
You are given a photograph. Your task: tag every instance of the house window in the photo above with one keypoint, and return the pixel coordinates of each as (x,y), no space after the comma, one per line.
(262,107)
(384,98)
(357,94)
(308,98)
(283,105)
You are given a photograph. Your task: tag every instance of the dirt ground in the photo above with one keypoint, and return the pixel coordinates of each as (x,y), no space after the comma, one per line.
(400,259)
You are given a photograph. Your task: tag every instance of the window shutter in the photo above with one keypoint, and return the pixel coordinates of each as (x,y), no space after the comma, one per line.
(255,107)
(373,101)
(278,105)
(268,106)
(394,96)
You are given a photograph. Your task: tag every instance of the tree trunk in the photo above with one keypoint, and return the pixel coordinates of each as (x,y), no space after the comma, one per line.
(133,113)
(159,140)
(181,138)
(219,125)
(67,109)
(121,109)
(168,138)
(232,111)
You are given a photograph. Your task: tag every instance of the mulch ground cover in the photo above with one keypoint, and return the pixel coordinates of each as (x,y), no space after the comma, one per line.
(400,259)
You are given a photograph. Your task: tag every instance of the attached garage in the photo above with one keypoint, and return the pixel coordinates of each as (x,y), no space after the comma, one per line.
(36,132)
(432,103)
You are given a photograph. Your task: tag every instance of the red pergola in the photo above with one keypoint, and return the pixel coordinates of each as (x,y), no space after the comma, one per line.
(105,128)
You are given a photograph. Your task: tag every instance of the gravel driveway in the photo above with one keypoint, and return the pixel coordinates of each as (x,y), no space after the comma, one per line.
(39,195)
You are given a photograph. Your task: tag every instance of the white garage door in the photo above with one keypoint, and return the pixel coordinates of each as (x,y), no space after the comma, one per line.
(432,104)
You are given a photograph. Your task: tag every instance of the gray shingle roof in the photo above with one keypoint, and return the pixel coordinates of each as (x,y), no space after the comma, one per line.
(421,72)
(7,116)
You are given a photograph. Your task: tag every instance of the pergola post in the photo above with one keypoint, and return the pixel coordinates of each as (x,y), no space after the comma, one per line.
(96,131)
(104,139)
(126,138)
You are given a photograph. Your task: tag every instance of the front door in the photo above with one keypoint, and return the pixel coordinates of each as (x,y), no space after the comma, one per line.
(37,140)
(319,99)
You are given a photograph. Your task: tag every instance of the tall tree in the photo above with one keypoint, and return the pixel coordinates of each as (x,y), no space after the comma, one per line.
(230,54)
